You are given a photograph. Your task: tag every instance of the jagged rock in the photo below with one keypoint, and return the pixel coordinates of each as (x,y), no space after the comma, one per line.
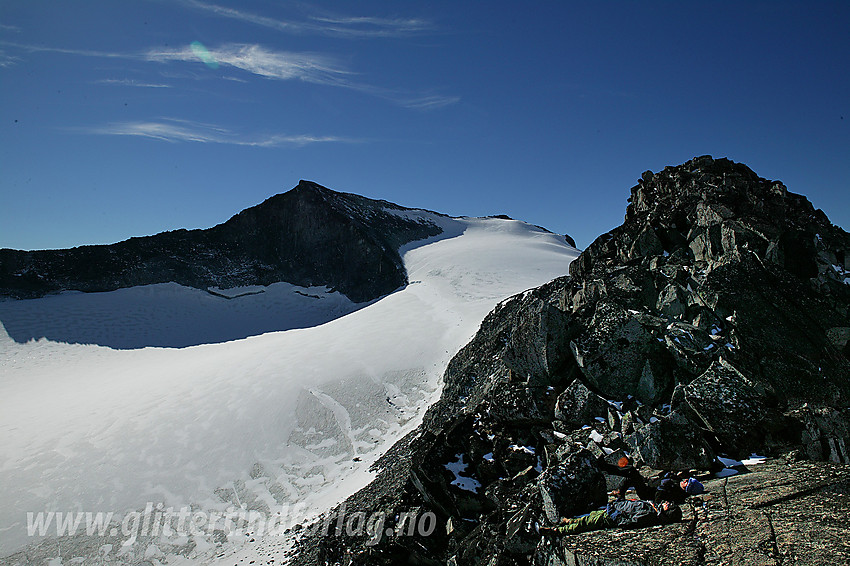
(631,285)
(617,350)
(648,387)
(646,244)
(711,263)
(795,251)
(628,423)
(839,336)
(517,459)
(691,348)
(825,433)
(578,405)
(577,438)
(614,457)
(709,214)
(672,302)
(671,443)
(489,358)
(615,441)
(730,406)
(645,412)
(779,337)
(572,487)
(515,403)
(596,450)
(613,419)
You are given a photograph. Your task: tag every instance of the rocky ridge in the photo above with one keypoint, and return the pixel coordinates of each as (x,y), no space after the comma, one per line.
(714,321)
(308,236)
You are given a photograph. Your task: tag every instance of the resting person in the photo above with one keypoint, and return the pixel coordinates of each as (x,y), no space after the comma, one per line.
(677,491)
(623,514)
(671,487)
(624,475)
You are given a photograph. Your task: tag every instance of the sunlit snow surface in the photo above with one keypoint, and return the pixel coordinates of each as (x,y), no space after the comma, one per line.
(293,416)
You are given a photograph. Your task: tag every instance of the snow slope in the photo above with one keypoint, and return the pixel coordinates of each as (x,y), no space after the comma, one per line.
(286,417)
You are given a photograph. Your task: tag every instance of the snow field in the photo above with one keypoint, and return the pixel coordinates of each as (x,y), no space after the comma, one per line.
(292,417)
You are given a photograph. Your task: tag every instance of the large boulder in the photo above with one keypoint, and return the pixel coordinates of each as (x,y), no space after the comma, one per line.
(731,406)
(578,405)
(515,403)
(614,353)
(572,487)
(672,302)
(824,433)
(671,443)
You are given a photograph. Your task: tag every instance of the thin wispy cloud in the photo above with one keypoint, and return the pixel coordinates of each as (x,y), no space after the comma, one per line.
(81,52)
(281,65)
(7,60)
(175,130)
(240,15)
(258,60)
(327,24)
(430,102)
(255,59)
(355,26)
(407,99)
(131,83)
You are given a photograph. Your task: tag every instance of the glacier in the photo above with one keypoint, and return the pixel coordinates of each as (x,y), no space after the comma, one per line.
(291,417)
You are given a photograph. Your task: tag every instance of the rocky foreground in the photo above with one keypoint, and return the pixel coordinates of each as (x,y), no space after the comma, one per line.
(713,322)
(776,514)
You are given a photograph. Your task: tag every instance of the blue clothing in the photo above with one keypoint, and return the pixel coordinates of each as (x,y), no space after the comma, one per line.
(624,513)
(632,513)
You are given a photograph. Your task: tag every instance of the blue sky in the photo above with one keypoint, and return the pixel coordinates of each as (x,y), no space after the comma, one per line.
(121,119)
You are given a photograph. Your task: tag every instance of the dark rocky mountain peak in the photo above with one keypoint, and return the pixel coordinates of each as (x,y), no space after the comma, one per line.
(714,321)
(304,185)
(307,236)
(710,210)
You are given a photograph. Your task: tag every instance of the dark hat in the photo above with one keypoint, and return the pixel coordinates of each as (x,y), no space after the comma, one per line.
(694,487)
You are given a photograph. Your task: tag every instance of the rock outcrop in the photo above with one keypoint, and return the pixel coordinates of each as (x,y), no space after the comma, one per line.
(309,236)
(712,322)
(777,513)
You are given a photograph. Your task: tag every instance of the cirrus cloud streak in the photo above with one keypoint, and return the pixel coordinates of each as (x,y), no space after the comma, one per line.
(175,130)
(308,67)
(328,24)
(131,83)
(258,60)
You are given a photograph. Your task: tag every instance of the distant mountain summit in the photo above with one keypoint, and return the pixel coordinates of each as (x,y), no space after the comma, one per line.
(308,236)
